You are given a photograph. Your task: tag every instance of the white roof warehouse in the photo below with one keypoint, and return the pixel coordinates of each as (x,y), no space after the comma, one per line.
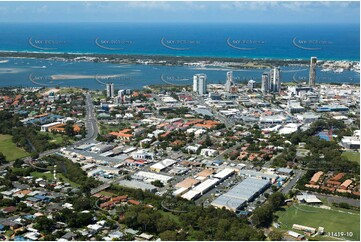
(244,192)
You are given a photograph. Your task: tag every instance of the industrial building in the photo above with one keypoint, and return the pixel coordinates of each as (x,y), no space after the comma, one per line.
(134,184)
(224,174)
(159,166)
(256,174)
(244,192)
(187,183)
(149,177)
(203,175)
(201,189)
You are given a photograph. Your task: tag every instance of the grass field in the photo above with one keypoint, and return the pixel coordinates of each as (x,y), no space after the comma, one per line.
(49,176)
(352,156)
(332,220)
(9,149)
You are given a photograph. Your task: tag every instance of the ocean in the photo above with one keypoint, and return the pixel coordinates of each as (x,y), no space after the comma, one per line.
(285,41)
(281,41)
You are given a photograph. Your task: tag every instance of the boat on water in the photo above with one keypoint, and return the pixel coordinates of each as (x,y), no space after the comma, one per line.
(338,70)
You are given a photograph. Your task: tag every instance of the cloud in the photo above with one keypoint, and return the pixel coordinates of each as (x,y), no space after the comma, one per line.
(42,9)
(290,5)
(196,6)
(152,5)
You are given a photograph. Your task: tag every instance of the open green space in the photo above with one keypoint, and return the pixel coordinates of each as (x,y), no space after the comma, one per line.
(56,138)
(9,148)
(352,156)
(333,220)
(49,176)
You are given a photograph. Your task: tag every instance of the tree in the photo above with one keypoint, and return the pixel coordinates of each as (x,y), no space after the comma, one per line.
(82,203)
(2,158)
(276,200)
(23,207)
(344,205)
(157,183)
(18,163)
(262,216)
(168,235)
(69,129)
(207,141)
(275,236)
(44,224)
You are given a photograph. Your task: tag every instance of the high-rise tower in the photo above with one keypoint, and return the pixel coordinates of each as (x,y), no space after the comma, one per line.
(312,77)
(200,84)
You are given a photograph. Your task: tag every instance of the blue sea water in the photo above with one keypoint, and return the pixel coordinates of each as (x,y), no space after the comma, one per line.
(286,41)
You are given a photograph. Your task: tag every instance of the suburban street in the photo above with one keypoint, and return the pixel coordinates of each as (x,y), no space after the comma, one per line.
(337,199)
(292,182)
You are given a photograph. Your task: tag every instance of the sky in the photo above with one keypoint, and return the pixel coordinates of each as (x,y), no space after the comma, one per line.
(190,12)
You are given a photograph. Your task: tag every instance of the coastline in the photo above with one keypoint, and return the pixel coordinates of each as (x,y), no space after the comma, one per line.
(159,59)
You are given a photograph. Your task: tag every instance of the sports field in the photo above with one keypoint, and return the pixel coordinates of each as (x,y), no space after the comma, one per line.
(334,220)
(9,149)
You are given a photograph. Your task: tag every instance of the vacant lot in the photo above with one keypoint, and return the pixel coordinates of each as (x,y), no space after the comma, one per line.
(334,220)
(352,156)
(9,149)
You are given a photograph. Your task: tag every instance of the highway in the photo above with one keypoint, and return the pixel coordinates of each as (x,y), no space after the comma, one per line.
(90,121)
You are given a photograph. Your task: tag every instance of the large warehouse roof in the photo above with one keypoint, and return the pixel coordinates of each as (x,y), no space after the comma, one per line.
(151,176)
(187,183)
(224,173)
(163,164)
(240,194)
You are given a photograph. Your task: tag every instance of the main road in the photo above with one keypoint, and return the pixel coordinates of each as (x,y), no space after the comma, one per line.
(90,124)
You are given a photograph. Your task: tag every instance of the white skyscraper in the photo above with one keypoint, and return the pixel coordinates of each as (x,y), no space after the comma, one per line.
(251,84)
(275,80)
(312,78)
(200,84)
(110,90)
(265,84)
(120,96)
(229,82)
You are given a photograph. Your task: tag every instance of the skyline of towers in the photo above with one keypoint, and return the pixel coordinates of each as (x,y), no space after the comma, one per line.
(200,84)
(271,81)
(312,75)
